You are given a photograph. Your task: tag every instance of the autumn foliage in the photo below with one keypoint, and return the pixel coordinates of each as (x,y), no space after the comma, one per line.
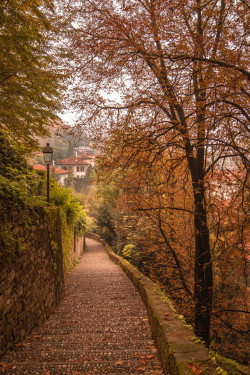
(163,86)
(147,215)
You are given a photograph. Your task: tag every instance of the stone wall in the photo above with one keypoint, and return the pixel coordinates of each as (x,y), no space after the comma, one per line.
(72,246)
(31,270)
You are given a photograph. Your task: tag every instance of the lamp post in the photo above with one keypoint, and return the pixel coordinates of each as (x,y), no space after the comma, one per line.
(48,154)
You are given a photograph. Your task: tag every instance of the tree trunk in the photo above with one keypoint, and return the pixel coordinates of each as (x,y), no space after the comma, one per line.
(203,288)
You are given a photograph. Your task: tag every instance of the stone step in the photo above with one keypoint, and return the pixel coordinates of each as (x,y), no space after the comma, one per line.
(102,310)
(74,337)
(95,334)
(101,327)
(88,367)
(64,319)
(80,356)
(107,331)
(96,323)
(82,344)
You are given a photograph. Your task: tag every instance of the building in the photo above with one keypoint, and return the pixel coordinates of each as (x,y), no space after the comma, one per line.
(61,173)
(76,165)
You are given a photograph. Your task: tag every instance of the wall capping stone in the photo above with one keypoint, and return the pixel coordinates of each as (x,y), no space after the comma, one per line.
(179,355)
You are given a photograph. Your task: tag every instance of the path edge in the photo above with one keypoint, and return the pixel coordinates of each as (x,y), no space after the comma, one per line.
(179,355)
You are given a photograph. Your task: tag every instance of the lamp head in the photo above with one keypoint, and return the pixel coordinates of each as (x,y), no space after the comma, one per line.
(48,153)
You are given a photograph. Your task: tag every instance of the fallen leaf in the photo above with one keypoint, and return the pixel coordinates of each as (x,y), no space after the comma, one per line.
(143,362)
(119,362)
(167,317)
(47,372)
(150,356)
(3,365)
(195,367)
(141,369)
(150,347)
(19,344)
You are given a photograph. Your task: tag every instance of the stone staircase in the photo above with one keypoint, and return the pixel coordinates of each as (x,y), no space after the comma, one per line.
(101,327)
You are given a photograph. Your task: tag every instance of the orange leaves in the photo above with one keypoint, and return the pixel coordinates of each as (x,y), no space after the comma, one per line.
(195,367)
(141,369)
(4,365)
(167,317)
(150,356)
(119,363)
(20,344)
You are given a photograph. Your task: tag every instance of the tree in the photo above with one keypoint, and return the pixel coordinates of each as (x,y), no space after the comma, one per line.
(154,212)
(88,178)
(101,208)
(30,77)
(70,151)
(179,69)
(19,182)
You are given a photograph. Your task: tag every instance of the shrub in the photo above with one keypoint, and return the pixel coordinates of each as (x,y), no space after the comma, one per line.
(128,251)
(65,198)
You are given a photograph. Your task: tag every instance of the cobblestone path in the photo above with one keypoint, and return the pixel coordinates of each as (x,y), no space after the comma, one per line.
(101,327)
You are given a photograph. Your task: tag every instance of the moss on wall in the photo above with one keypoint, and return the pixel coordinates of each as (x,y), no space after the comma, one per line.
(37,249)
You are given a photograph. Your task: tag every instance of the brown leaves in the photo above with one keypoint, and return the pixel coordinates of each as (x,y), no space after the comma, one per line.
(150,347)
(119,363)
(19,344)
(195,367)
(144,359)
(141,369)
(166,317)
(4,365)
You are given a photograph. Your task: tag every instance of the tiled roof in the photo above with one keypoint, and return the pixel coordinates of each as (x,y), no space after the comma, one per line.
(40,167)
(72,160)
(60,171)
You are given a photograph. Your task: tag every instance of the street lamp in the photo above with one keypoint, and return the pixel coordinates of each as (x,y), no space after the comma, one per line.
(47,154)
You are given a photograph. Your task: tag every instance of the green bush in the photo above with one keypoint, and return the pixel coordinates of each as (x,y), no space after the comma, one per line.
(18,181)
(128,251)
(81,225)
(21,185)
(65,198)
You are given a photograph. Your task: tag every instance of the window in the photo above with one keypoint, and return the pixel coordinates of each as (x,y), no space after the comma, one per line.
(78,169)
(82,169)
